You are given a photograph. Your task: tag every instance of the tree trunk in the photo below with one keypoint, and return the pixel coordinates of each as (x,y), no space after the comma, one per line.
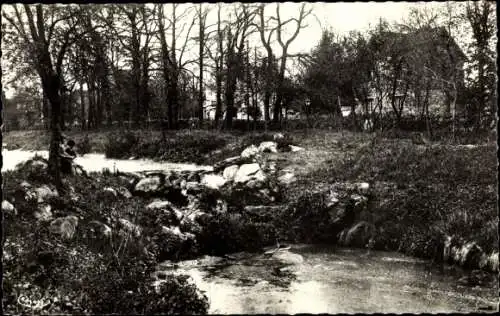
(82,107)
(50,83)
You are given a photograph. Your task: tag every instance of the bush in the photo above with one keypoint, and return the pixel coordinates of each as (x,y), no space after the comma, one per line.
(227,233)
(129,290)
(84,146)
(120,145)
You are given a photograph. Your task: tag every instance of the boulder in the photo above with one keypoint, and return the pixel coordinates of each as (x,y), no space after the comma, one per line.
(109,193)
(295,148)
(237,160)
(268,147)
(287,178)
(247,172)
(64,226)
(124,192)
(278,136)
(230,172)
(250,152)
(357,236)
(129,228)
(43,213)
(213,181)
(167,206)
(288,257)
(44,193)
(8,208)
(150,184)
(99,230)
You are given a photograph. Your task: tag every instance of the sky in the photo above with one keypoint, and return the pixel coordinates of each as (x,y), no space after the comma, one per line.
(340,17)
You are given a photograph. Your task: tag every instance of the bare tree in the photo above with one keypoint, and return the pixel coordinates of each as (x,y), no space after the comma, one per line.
(303,14)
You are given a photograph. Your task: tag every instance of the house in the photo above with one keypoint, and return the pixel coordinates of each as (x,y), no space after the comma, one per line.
(432,52)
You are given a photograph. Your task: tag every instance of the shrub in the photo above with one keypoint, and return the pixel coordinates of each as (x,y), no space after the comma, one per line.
(129,290)
(84,146)
(120,145)
(227,233)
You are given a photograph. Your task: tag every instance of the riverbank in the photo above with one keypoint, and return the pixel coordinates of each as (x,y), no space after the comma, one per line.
(450,189)
(418,195)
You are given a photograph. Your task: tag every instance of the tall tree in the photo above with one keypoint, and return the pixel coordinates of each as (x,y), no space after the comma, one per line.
(481,16)
(303,14)
(50,31)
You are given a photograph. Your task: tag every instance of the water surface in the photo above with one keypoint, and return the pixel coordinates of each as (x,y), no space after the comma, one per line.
(333,280)
(95,162)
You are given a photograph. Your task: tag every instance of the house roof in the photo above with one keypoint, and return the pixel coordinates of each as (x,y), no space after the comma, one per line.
(424,36)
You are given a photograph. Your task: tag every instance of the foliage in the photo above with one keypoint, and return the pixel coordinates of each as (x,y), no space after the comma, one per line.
(121,145)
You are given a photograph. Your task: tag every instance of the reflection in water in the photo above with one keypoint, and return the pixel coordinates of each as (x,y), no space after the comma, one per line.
(336,281)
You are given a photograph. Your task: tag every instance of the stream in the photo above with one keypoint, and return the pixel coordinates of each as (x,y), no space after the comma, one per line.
(311,278)
(329,280)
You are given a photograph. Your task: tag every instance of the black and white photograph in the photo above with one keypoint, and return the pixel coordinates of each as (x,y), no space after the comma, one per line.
(165,158)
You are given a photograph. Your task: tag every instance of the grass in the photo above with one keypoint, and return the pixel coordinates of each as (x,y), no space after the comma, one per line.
(423,192)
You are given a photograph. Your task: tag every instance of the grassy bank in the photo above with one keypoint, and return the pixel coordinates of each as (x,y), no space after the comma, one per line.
(90,272)
(422,192)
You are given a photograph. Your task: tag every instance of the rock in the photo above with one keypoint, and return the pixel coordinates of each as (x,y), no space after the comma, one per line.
(149,184)
(254,184)
(175,231)
(287,178)
(221,206)
(25,185)
(44,193)
(250,152)
(237,160)
(197,216)
(469,255)
(189,225)
(363,187)
(8,208)
(331,199)
(167,206)
(278,136)
(268,147)
(110,193)
(159,205)
(193,177)
(98,229)
(230,172)
(357,236)
(288,257)
(358,199)
(295,148)
(44,212)
(124,192)
(130,228)
(248,171)
(493,262)
(193,187)
(64,226)
(213,181)
(183,184)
